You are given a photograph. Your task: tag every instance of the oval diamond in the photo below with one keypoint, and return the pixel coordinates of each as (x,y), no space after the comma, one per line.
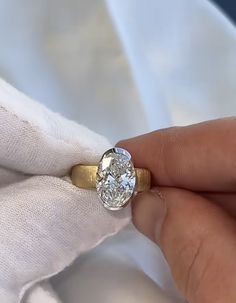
(116,178)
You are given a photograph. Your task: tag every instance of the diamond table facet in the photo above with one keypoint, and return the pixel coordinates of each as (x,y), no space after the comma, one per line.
(116,178)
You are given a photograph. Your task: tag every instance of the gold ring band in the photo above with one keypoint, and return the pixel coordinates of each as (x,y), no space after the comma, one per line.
(115,178)
(84,176)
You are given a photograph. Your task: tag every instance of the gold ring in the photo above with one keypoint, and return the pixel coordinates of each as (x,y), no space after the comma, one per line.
(115,178)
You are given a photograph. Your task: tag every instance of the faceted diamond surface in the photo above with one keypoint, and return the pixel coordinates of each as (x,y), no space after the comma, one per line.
(116,179)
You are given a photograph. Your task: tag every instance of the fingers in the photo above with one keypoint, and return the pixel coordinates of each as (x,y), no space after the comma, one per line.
(197,238)
(226,201)
(39,141)
(45,223)
(8,176)
(199,157)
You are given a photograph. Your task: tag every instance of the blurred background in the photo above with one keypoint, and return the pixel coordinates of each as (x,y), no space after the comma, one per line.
(228,6)
(119,68)
(122,68)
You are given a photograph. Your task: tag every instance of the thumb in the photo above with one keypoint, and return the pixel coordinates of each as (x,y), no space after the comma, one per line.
(197,238)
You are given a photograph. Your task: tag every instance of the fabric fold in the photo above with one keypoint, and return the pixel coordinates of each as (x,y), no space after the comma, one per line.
(45,221)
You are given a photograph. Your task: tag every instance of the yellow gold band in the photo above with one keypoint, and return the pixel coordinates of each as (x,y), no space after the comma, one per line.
(84,176)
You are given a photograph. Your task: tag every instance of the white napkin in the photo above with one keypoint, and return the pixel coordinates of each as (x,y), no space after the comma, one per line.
(45,221)
(181,54)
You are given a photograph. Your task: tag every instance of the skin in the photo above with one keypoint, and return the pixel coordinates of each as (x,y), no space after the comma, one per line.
(191,210)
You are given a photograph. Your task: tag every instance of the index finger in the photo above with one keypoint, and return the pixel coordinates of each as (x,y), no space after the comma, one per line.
(200,157)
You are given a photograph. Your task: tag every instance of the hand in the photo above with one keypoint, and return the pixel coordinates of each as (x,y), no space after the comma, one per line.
(191,210)
(45,221)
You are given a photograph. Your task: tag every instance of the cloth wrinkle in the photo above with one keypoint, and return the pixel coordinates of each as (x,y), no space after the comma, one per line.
(46,222)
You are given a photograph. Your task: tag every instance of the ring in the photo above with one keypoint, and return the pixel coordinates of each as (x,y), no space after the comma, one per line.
(115,178)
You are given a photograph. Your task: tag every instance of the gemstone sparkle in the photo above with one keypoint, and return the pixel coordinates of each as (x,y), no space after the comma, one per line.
(116,178)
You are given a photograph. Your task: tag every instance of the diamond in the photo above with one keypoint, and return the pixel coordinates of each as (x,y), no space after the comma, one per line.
(116,178)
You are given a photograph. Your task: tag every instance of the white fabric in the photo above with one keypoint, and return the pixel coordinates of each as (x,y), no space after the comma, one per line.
(45,221)
(66,54)
(182,54)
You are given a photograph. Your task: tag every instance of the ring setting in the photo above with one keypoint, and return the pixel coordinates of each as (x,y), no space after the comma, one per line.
(115,178)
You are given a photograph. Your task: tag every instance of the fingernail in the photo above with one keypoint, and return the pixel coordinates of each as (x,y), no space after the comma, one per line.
(149,212)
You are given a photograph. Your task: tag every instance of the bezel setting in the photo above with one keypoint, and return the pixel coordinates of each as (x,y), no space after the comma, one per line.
(115,178)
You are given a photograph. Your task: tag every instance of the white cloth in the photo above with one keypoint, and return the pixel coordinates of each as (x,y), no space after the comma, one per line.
(66,54)
(45,221)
